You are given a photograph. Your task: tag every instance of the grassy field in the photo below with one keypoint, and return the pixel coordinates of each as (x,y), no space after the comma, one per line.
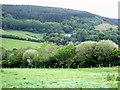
(22,34)
(105,26)
(12,43)
(60,78)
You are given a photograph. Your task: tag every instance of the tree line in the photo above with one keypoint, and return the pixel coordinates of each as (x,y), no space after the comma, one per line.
(36,26)
(20,38)
(50,55)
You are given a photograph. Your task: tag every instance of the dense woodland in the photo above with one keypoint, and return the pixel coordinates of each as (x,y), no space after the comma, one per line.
(48,14)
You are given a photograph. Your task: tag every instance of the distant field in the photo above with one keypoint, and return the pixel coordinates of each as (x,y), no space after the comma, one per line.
(105,26)
(60,78)
(12,43)
(22,34)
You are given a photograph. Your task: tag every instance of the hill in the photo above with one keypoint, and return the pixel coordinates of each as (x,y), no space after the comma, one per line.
(55,23)
(49,14)
(44,14)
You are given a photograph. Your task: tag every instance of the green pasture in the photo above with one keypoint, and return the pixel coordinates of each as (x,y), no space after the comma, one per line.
(59,78)
(105,26)
(22,34)
(12,43)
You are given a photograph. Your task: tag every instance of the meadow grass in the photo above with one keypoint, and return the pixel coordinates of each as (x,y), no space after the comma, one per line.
(59,78)
(22,34)
(105,26)
(12,43)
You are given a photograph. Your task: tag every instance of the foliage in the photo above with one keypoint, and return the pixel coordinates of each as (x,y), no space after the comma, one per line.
(115,57)
(110,77)
(2,53)
(42,13)
(86,53)
(118,78)
(54,25)
(65,55)
(46,51)
(104,51)
(30,57)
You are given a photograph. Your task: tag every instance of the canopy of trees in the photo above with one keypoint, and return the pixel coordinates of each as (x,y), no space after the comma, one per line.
(49,14)
(49,55)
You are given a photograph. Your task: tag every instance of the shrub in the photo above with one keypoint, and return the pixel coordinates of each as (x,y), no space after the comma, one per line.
(65,55)
(29,57)
(86,54)
(4,63)
(118,78)
(110,77)
(104,51)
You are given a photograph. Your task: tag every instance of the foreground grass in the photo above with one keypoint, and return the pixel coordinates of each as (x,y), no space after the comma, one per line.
(12,43)
(59,78)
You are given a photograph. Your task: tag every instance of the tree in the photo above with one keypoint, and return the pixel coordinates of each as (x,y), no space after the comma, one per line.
(86,54)
(65,55)
(115,57)
(46,51)
(30,57)
(104,51)
(4,57)
(2,54)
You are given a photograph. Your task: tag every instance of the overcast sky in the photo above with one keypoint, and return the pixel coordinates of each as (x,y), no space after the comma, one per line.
(107,8)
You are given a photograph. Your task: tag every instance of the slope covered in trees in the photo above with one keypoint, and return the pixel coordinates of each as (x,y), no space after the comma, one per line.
(43,13)
(59,25)
(48,13)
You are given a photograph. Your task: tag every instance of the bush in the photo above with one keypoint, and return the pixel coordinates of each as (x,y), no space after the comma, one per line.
(86,54)
(29,57)
(104,51)
(110,77)
(4,63)
(65,55)
(118,78)
(115,57)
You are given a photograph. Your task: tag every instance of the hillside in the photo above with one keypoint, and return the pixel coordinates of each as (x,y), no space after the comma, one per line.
(10,44)
(44,14)
(49,14)
(55,23)
(21,35)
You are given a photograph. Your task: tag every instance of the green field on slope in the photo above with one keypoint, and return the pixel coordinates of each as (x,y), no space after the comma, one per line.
(105,26)
(60,78)
(22,34)
(12,43)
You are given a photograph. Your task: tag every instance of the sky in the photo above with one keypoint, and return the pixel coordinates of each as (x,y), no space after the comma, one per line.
(107,8)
